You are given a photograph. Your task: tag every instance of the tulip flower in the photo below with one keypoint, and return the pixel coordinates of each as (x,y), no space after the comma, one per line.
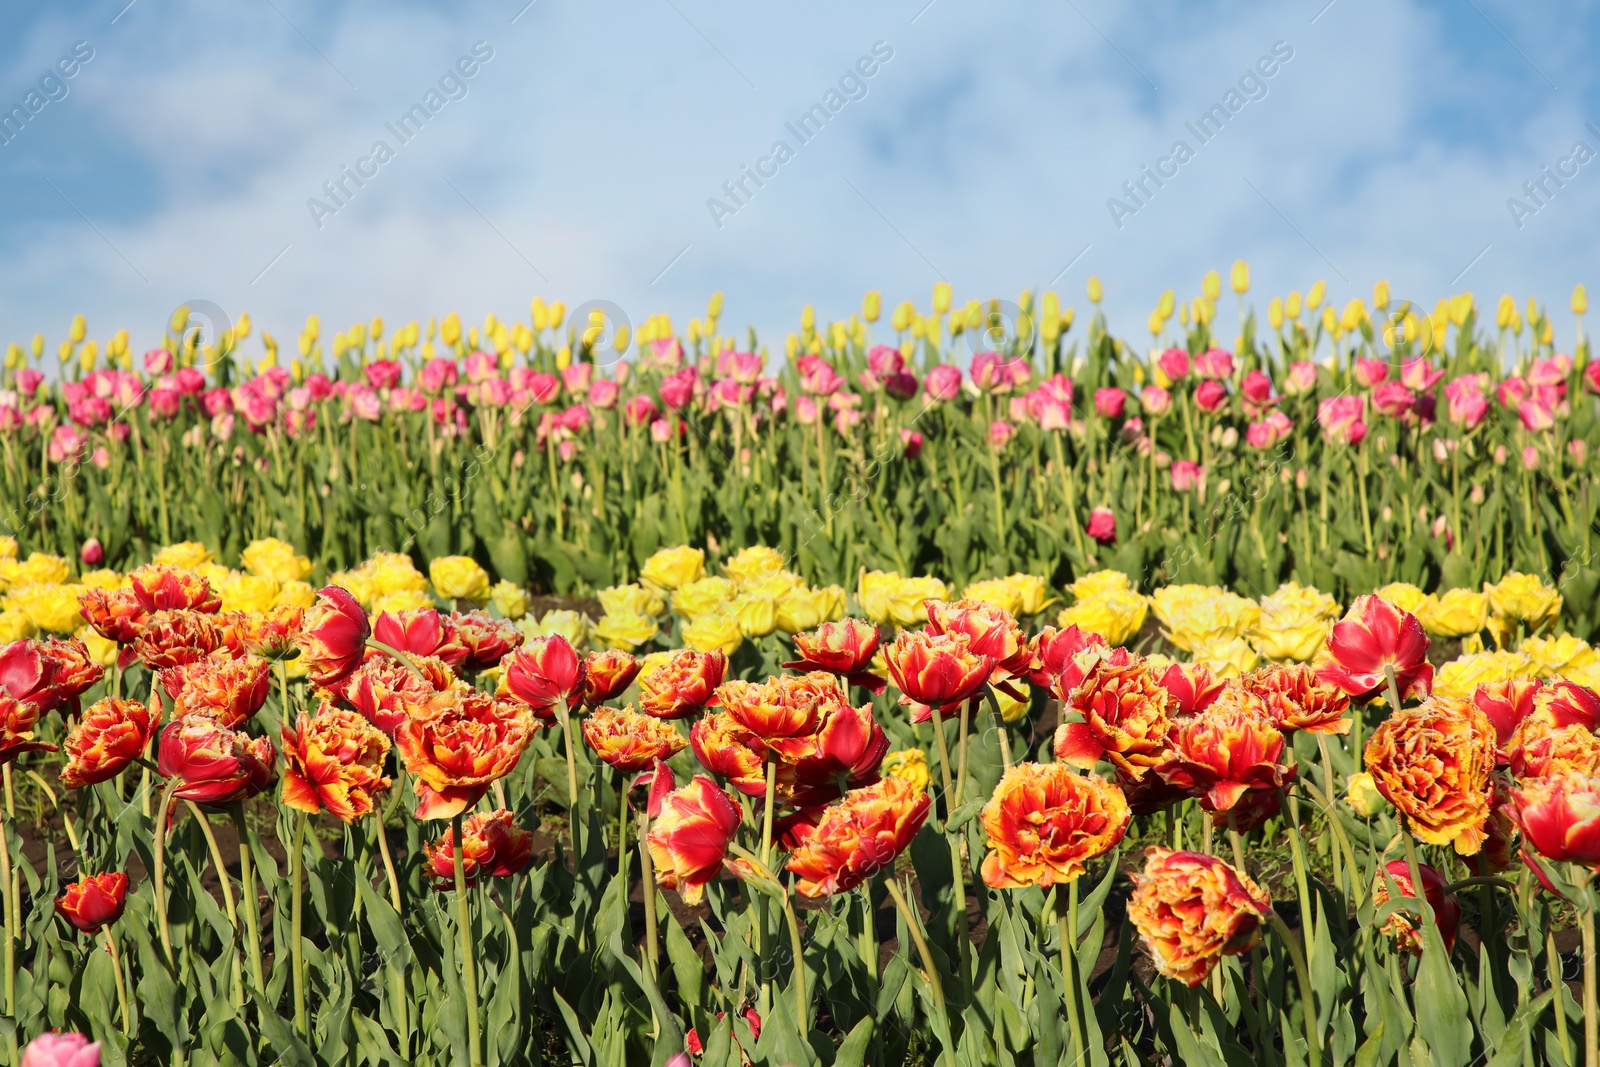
(1559,816)
(214,765)
(1055,664)
(545,673)
(857,837)
(334,763)
(607,675)
(114,614)
(422,632)
(731,751)
(782,706)
(844,648)
(160,588)
(1124,718)
(1192,909)
(844,750)
(1210,397)
(689,839)
(1400,926)
(487,641)
(683,685)
(1505,704)
(111,734)
(1434,763)
(936,670)
(492,846)
(93,901)
(228,689)
(628,741)
(1229,749)
(1375,636)
(271,634)
(1539,747)
(1296,700)
(993,632)
(465,742)
(333,636)
(1192,687)
(1102,526)
(61,1050)
(387,692)
(17,720)
(1046,822)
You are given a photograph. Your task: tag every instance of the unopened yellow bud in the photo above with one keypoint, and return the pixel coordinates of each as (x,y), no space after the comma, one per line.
(297,370)
(1330,320)
(593,334)
(1354,313)
(791,346)
(621,340)
(694,331)
(1291,306)
(1318,290)
(1025,301)
(38,345)
(1239,277)
(1211,285)
(941,297)
(180,319)
(508,359)
(564,357)
(1505,312)
(313,326)
(376,329)
(1066,319)
(558,311)
(919,328)
(872,305)
(714,305)
(837,335)
(1580,299)
(1380,295)
(13,356)
(1533,310)
(808,319)
(1460,308)
(1094,289)
(358,335)
(1275,313)
(1165,304)
(1156,322)
(450,329)
(90,355)
(501,338)
(305,344)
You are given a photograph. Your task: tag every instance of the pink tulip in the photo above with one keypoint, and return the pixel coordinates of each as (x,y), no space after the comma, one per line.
(158,361)
(61,1050)
(885,362)
(1591,377)
(1530,458)
(92,552)
(1155,400)
(91,411)
(1185,475)
(101,457)
(1269,431)
(363,401)
(818,377)
(1512,392)
(382,373)
(1339,416)
(943,383)
(1211,396)
(1174,363)
(1535,415)
(1392,399)
(1370,372)
(1467,405)
(742,367)
(603,393)
(805,411)
(1000,434)
(1108,402)
(577,377)
(28,381)
(65,443)
(1102,526)
(678,388)
(1215,364)
(1051,413)
(164,403)
(912,440)
(901,385)
(321,386)
(222,426)
(494,392)
(1257,387)
(660,431)
(1419,375)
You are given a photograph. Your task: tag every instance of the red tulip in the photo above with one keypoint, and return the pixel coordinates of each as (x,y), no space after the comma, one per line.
(1102,526)
(387,691)
(17,720)
(608,674)
(114,614)
(1193,687)
(690,838)
(936,670)
(112,734)
(161,588)
(1055,655)
(176,638)
(1560,816)
(216,765)
(492,846)
(843,752)
(845,648)
(547,672)
(1400,925)
(487,640)
(333,636)
(683,685)
(94,901)
(1373,635)
(421,632)
(858,837)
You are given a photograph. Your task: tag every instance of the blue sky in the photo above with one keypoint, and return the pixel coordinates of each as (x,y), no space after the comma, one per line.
(579,162)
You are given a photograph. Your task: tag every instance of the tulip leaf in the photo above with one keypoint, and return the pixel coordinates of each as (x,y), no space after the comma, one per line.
(687,965)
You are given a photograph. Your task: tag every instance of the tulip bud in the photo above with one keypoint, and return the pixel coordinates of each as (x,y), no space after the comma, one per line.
(872,305)
(1530,458)
(1476,495)
(1499,455)
(1315,294)
(808,319)
(1380,295)
(1580,299)
(1275,313)
(1302,478)
(1578,449)
(1440,452)
(92,554)
(1239,277)
(1094,289)
(941,297)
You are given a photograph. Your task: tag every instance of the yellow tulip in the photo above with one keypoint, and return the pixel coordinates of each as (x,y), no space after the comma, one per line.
(509,599)
(871,305)
(1094,289)
(1380,295)
(459,578)
(710,633)
(941,297)
(1315,293)
(625,630)
(1580,299)
(1239,277)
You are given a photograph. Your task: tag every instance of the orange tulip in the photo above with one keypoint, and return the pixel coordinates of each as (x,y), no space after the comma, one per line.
(993,632)
(845,648)
(162,588)
(174,638)
(1226,751)
(1192,909)
(17,720)
(1373,635)
(936,670)
(1296,700)
(93,901)
(114,614)
(111,735)
(1570,704)
(1538,747)
(333,636)
(465,742)
(216,765)
(388,692)
(1192,687)
(546,673)
(1433,762)
(1125,718)
(689,839)
(608,674)
(334,763)
(421,632)
(683,685)
(51,673)
(487,640)
(858,837)
(231,690)
(271,634)
(731,751)
(1446,911)
(630,742)
(492,845)
(1055,657)
(784,706)
(1045,823)
(1559,816)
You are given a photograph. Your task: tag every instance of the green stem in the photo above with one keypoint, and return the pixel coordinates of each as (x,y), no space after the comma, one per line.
(1308,1009)
(160,865)
(227,896)
(802,1007)
(648,878)
(469,962)
(296,919)
(572,788)
(914,928)
(999,727)
(122,989)
(11,934)
(252,903)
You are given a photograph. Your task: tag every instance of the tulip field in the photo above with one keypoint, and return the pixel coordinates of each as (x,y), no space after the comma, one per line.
(940,691)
